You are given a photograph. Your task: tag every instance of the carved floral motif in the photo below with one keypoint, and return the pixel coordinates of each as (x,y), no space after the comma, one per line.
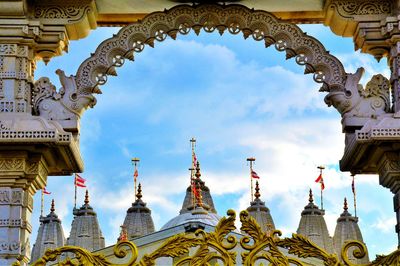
(71,10)
(348,9)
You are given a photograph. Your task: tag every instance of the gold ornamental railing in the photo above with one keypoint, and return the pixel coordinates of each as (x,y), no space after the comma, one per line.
(218,248)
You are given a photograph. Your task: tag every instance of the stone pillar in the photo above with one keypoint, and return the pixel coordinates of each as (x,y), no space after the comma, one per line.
(21,174)
(394,63)
(16,77)
(389,177)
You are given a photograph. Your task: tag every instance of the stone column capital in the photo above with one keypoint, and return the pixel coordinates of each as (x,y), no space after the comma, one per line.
(389,171)
(14,165)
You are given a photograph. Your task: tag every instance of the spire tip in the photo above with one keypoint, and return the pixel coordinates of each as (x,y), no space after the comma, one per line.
(52,209)
(87,197)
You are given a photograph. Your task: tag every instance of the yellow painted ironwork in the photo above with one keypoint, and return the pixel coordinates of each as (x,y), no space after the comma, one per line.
(217,248)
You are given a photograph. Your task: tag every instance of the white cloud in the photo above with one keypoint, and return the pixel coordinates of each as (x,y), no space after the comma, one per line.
(385,224)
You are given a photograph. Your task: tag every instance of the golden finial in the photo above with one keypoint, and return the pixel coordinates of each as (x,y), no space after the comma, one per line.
(310,197)
(52,209)
(198,174)
(199,197)
(257,194)
(139,192)
(345,208)
(87,197)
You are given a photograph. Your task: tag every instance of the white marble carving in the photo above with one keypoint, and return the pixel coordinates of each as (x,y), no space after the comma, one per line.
(65,104)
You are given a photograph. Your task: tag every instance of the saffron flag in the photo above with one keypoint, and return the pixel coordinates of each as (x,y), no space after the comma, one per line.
(194,160)
(194,189)
(321,181)
(135,175)
(254,175)
(79,181)
(45,191)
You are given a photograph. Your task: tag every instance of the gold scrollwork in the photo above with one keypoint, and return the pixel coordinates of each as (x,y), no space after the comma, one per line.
(218,246)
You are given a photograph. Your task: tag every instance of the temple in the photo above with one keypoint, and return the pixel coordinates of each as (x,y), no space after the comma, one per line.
(40,125)
(198,212)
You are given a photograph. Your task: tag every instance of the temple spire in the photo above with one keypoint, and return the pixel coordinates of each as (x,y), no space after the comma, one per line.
(310,197)
(257,193)
(199,197)
(345,208)
(139,192)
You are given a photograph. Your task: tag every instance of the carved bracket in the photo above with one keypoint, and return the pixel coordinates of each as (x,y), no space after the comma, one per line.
(357,104)
(65,104)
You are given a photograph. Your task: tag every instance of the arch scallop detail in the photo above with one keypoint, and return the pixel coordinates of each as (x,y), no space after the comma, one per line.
(260,25)
(356,104)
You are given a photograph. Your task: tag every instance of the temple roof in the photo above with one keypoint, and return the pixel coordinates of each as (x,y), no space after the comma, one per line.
(85,228)
(50,234)
(260,212)
(347,229)
(312,225)
(208,203)
(138,220)
(192,212)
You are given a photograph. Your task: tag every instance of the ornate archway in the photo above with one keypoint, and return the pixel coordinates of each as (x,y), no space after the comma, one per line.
(358,106)
(370,125)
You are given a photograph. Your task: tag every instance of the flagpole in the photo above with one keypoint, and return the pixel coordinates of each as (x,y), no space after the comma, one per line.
(251,160)
(353,188)
(42,204)
(135,162)
(193,145)
(75,192)
(322,199)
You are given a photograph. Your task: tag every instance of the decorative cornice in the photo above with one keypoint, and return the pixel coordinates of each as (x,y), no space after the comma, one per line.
(352,8)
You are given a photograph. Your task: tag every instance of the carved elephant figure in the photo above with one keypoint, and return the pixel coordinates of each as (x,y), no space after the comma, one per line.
(355,101)
(66,104)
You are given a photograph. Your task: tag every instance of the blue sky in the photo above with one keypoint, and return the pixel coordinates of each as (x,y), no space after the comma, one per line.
(238,99)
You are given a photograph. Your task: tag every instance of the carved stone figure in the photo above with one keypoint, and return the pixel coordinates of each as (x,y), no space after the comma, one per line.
(358,102)
(66,104)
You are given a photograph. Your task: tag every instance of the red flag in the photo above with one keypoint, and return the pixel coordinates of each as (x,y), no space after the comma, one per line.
(135,175)
(353,188)
(45,191)
(79,181)
(194,189)
(321,181)
(254,175)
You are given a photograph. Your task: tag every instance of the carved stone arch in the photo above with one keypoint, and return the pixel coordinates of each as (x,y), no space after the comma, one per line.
(260,25)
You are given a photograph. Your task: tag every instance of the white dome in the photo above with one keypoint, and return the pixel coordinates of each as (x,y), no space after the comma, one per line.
(208,218)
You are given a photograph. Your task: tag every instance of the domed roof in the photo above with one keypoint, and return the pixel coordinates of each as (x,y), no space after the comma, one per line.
(347,229)
(50,234)
(196,215)
(313,226)
(138,220)
(260,212)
